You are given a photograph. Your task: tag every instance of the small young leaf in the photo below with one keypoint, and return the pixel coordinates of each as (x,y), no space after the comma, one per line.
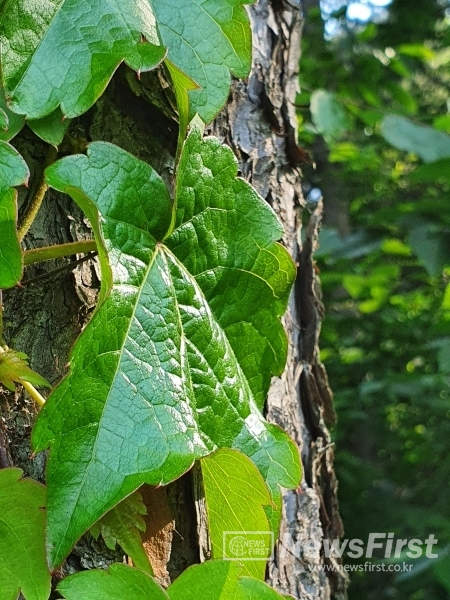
(328,115)
(122,525)
(64,53)
(235,496)
(427,142)
(119,582)
(14,122)
(207,40)
(51,128)
(23,565)
(219,580)
(182,84)
(14,367)
(13,171)
(166,370)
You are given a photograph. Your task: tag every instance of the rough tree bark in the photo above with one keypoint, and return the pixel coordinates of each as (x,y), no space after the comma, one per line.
(44,317)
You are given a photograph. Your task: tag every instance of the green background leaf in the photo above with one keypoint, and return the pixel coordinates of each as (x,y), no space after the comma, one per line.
(64,53)
(23,565)
(328,115)
(206,40)
(13,171)
(175,380)
(427,142)
(235,496)
(122,525)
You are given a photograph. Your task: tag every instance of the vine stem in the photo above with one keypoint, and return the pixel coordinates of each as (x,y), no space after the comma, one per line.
(50,252)
(37,200)
(32,391)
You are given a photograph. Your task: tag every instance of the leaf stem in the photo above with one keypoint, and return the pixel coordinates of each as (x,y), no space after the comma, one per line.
(38,199)
(32,391)
(50,252)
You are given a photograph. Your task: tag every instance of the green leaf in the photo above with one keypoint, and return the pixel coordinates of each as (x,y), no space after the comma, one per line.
(427,142)
(164,372)
(206,40)
(23,566)
(235,496)
(13,171)
(329,116)
(212,580)
(117,583)
(122,525)
(14,367)
(64,53)
(14,122)
(219,580)
(432,172)
(51,128)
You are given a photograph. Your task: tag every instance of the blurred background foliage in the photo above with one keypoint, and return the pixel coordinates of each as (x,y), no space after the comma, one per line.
(374,115)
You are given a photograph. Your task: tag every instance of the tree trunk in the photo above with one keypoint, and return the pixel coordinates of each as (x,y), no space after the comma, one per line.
(44,317)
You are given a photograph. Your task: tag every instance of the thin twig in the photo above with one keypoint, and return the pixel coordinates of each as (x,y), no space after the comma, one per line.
(58,251)
(71,265)
(38,199)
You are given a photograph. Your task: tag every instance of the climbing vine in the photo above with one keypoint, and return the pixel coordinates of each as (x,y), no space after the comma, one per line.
(175,364)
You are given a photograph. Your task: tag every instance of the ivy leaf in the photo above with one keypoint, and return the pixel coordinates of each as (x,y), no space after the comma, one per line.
(207,40)
(122,525)
(13,171)
(235,496)
(14,123)
(51,128)
(164,372)
(219,580)
(23,565)
(64,53)
(116,583)
(14,367)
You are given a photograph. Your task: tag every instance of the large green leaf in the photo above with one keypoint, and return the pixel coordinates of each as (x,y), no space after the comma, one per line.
(122,525)
(13,171)
(427,142)
(164,372)
(119,582)
(207,39)
(219,580)
(212,580)
(23,565)
(235,496)
(64,52)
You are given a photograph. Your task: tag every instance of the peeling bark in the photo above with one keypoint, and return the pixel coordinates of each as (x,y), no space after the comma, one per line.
(259,123)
